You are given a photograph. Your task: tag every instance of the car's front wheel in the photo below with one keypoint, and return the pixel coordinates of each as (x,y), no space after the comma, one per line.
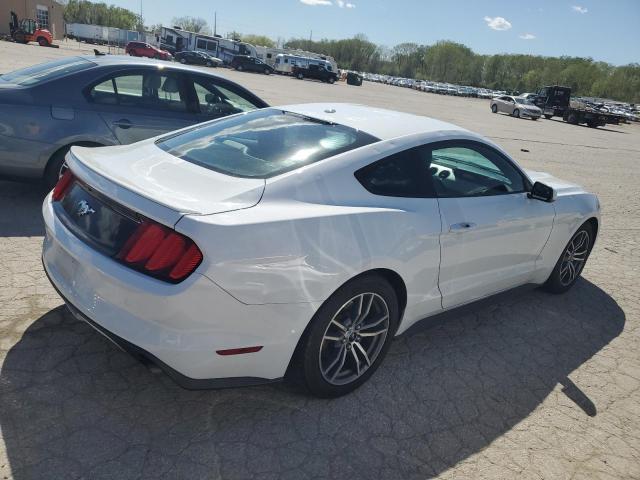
(572,261)
(349,336)
(494,108)
(516,113)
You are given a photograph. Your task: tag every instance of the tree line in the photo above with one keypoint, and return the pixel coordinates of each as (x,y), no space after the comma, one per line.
(83,11)
(453,62)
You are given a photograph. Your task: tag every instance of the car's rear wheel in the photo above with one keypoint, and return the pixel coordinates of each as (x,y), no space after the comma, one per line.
(57,166)
(548,117)
(183,60)
(43,42)
(349,336)
(494,108)
(572,261)
(300,76)
(516,113)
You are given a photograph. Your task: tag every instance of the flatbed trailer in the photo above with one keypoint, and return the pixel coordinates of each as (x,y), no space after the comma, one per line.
(555,101)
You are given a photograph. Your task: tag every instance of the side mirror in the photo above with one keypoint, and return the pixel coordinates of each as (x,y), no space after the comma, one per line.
(543,192)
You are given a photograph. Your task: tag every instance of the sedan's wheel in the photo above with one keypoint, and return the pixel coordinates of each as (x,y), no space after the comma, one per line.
(494,108)
(239,68)
(516,113)
(182,60)
(349,336)
(572,261)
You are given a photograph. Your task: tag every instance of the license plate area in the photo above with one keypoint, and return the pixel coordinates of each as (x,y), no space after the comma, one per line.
(95,219)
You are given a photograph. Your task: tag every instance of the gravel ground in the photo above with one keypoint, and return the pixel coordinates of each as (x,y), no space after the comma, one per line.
(528,385)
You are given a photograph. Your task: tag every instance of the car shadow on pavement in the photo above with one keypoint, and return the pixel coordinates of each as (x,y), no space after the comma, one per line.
(21,209)
(73,405)
(587,126)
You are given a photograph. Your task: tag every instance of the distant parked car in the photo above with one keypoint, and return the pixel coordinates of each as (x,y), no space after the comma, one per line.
(317,72)
(197,58)
(251,64)
(102,100)
(141,49)
(516,106)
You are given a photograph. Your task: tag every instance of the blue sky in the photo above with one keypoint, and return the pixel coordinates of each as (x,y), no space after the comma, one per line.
(606,30)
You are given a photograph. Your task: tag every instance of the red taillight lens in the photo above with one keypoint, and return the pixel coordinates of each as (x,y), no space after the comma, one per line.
(160,252)
(62,187)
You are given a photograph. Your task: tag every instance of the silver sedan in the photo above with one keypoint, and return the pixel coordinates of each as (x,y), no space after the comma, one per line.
(102,100)
(517,106)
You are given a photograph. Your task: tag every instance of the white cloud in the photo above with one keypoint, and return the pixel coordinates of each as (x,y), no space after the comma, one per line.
(580,9)
(343,4)
(315,3)
(497,23)
(528,36)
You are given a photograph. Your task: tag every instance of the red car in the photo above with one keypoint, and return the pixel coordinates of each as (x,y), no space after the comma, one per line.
(141,49)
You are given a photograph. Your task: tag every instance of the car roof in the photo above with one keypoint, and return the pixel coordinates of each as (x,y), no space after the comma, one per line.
(379,122)
(125,60)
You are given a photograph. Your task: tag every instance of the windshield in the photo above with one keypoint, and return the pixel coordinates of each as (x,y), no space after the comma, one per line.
(47,71)
(263,143)
(524,101)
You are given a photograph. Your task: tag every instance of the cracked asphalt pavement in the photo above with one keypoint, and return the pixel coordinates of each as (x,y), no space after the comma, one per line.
(525,385)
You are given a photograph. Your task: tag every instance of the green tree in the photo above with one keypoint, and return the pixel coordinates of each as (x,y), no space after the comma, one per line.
(261,40)
(191,24)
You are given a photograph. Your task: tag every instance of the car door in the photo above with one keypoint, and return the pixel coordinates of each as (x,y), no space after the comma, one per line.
(142,103)
(492,232)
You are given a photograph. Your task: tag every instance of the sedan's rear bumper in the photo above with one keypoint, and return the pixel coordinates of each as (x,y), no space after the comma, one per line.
(179,327)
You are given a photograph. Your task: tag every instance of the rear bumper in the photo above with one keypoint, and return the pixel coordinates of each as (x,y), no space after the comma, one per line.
(179,327)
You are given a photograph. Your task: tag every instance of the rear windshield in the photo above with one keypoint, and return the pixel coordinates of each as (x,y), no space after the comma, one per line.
(263,143)
(47,71)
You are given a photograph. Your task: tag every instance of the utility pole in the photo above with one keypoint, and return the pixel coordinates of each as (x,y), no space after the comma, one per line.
(215,23)
(310,35)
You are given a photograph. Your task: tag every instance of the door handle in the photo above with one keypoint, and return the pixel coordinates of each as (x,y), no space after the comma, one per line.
(462,226)
(122,123)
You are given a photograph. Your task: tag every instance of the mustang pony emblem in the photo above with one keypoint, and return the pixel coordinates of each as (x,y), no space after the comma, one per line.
(84,208)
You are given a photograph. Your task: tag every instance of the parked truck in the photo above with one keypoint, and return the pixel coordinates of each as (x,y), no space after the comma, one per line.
(555,100)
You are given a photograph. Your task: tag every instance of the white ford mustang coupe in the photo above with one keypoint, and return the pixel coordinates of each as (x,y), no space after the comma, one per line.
(300,238)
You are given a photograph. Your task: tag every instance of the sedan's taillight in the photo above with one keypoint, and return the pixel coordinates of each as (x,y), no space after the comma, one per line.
(160,252)
(62,187)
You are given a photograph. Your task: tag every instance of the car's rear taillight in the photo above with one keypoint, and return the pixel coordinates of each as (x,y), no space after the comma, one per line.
(160,252)
(62,187)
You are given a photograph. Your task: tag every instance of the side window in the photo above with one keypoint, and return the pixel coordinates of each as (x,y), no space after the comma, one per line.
(403,174)
(217,101)
(470,172)
(150,90)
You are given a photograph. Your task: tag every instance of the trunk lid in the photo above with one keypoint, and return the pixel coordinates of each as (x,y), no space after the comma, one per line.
(170,182)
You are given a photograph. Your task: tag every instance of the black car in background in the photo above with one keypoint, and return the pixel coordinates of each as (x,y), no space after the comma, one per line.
(251,64)
(196,58)
(318,72)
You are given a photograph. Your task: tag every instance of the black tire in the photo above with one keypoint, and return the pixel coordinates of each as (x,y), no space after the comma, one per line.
(516,113)
(535,118)
(56,165)
(548,117)
(572,119)
(299,76)
(592,123)
(332,80)
(309,357)
(43,42)
(494,108)
(183,60)
(209,64)
(239,68)
(555,283)
(55,168)
(267,71)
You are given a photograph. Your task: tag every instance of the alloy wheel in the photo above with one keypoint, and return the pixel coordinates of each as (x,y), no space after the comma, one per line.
(354,338)
(574,257)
